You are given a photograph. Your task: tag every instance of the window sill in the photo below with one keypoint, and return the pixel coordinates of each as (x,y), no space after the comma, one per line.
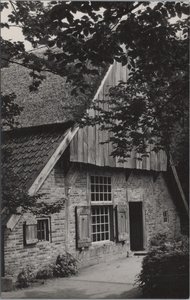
(101,243)
(101,203)
(42,242)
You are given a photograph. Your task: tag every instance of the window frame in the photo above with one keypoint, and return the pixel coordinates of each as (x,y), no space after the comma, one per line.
(165,216)
(100,204)
(48,230)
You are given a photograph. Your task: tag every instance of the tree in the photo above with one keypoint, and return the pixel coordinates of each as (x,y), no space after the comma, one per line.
(151,39)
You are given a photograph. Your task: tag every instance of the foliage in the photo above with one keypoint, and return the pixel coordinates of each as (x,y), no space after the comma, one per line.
(46,272)
(9,111)
(165,269)
(150,39)
(25,277)
(66,265)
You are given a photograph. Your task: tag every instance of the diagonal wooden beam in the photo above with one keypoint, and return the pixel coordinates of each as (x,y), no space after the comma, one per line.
(51,163)
(174,171)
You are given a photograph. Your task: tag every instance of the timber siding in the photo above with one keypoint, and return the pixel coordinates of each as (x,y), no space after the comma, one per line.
(139,186)
(86,148)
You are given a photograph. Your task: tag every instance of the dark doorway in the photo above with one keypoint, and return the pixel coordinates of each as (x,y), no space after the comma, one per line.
(136,226)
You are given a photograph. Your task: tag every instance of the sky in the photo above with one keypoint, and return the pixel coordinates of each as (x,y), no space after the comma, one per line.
(14,33)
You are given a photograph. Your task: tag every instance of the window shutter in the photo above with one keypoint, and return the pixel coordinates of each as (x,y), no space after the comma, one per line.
(83,226)
(122,223)
(30,232)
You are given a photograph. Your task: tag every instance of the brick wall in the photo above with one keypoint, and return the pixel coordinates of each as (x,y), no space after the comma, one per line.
(16,254)
(74,190)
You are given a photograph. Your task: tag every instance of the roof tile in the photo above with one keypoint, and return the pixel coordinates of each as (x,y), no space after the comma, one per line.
(28,158)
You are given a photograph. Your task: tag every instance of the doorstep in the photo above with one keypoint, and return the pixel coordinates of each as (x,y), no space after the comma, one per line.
(139,253)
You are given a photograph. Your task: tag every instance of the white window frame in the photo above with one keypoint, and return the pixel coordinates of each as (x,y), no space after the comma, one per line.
(101,185)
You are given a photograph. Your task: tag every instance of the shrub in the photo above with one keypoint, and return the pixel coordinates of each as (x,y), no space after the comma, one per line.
(66,265)
(165,269)
(46,272)
(25,277)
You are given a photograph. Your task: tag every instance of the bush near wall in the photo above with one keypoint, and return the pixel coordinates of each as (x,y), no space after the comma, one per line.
(65,266)
(165,269)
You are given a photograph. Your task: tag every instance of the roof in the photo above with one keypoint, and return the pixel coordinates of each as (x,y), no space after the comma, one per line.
(52,103)
(31,149)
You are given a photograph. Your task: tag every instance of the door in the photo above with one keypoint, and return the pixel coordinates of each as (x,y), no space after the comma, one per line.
(136,226)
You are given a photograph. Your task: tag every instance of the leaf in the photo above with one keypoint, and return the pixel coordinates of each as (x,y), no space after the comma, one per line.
(178,9)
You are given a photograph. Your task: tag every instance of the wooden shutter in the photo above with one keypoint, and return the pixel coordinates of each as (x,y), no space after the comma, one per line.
(83,226)
(111,223)
(122,223)
(30,232)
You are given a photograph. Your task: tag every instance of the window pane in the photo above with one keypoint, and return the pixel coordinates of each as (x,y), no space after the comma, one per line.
(42,230)
(100,223)
(100,187)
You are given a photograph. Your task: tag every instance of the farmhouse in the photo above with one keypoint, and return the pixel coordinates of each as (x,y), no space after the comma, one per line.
(110,208)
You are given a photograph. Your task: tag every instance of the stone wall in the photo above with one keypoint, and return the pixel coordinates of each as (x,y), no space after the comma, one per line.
(74,190)
(79,195)
(156,198)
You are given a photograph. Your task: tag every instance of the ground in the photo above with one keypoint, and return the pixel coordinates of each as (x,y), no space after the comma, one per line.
(111,280)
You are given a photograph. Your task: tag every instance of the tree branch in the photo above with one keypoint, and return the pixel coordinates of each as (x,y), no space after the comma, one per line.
(134,7)
(28,67)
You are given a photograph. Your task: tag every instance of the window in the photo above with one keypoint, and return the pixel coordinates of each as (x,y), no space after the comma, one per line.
(100,188)
(100,223)
(101,210)
(43,230)
(30,233)
(165,216)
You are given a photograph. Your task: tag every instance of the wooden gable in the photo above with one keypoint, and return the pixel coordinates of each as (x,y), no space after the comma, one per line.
(86,148)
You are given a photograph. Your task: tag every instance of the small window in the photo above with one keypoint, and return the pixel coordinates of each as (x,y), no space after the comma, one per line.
(43,229)
(30,233)
(165,216)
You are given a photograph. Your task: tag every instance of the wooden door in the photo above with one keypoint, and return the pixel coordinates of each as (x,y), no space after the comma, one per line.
(136,226)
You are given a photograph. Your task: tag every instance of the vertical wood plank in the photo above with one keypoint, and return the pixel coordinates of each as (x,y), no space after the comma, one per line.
(80,145)
(85,145)
(74,148)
